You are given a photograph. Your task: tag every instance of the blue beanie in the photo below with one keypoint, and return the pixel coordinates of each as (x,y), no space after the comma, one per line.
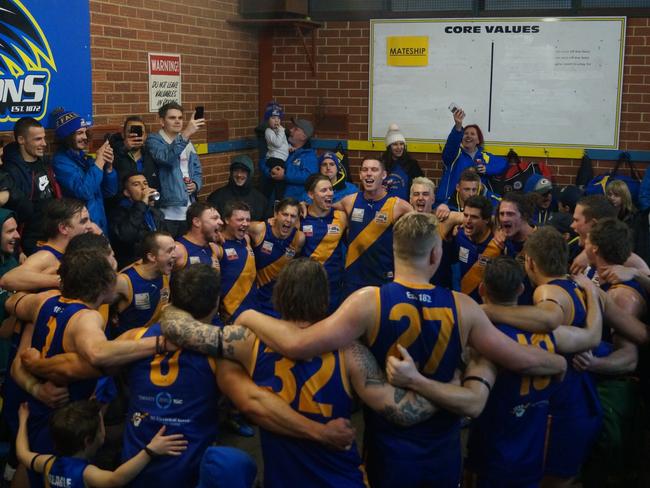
(273,110)
(67,123)
(329,155)
(226,467)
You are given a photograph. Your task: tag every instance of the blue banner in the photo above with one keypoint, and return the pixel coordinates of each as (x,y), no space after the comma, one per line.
(44,60)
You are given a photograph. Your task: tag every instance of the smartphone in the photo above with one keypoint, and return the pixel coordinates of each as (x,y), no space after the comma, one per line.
(198,112)
(453,108)
(136,129)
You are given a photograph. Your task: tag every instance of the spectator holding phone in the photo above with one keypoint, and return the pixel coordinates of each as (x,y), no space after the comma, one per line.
(79,175)
(464,149)
(177,163)
(131,155)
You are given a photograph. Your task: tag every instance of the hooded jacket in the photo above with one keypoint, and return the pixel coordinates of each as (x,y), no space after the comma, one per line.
(29,182)
(7,262)
(246,193)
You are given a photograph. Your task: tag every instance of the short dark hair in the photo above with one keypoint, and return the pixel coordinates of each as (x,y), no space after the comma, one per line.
(286,202)
(59,211)
(132,118)
(596,207)
(127,176)
(89,240)
(523,204)
(162,111)
(301,292)
(613,238)
(374,158)
(150,244)
(196,210)
(73,424)
(21,128)
(85,274)
(195,289)
(470,174)
(313,180)
(548,249)
(235,205)
(502,278)
(483,203)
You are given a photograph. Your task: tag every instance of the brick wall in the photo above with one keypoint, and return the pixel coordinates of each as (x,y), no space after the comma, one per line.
(341,86)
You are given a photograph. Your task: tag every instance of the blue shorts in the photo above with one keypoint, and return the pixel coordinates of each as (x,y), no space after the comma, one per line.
(569,443)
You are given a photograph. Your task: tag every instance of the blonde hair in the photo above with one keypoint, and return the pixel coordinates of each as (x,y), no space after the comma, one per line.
(414,235)
(421,180)
(620,189)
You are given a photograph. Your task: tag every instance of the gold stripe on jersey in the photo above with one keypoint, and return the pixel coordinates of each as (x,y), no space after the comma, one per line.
(474,275)
(371,233)
(328,244)
(271,272)
(241,288)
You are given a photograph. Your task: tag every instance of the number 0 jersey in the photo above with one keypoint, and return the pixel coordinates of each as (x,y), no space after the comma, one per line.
(506,441)
(318,389)
(424,320)
(178,390)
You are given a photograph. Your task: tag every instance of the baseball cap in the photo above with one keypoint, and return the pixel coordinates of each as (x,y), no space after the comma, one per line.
(538,184)
(305,125)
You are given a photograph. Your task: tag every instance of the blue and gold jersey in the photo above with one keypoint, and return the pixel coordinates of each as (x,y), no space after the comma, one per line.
(507,441)
(318,389)
(472,258)
(369,260)
(271,256)
(238,273)
(424,320)
(44,246)
(196,254)
(177,390)
(324,243)
(66,472)
(146,299)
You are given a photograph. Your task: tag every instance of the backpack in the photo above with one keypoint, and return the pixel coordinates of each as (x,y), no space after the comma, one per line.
(598,184)
(515,177)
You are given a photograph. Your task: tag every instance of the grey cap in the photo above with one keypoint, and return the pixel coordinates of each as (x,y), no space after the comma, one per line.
(305,125)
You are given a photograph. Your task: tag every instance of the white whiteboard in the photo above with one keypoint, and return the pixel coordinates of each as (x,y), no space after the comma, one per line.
(560,86)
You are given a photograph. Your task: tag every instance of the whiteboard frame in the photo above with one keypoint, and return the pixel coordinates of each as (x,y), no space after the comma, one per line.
(621,67)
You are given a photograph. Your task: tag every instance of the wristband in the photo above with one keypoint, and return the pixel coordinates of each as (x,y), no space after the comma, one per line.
(150,453)
(479,379)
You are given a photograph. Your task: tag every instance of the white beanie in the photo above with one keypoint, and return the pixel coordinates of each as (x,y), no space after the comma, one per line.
(394,135)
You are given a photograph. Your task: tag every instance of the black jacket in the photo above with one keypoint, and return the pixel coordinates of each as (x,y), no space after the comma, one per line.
(128,225)
(248,194)
(125,164)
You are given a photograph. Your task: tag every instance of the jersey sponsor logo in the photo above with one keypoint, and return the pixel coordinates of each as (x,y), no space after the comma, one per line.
(290,252)
(381,217)
(420,297)
(137,418)
(142,301)
(195,260)
(231,253)
(164,294)
(308,230)
(267,247)
(163,400)
(357,215)
(333,229)
(463,254)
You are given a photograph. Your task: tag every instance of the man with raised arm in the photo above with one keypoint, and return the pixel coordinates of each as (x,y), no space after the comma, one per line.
(433,323)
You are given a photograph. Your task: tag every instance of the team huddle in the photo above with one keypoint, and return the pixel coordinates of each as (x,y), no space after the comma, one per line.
(429,308)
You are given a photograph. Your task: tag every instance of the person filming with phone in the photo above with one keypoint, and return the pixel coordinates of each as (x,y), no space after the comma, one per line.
(177,164)
(131,155)
(464,149)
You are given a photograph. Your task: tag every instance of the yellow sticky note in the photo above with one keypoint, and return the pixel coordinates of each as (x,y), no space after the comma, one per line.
(407,51)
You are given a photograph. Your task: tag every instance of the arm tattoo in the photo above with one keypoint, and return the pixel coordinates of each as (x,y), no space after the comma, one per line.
(412,410)
(367,363)
(399,395)
(186,332)
(231,335)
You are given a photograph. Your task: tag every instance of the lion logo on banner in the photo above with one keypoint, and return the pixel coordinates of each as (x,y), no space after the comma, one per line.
(25,63)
